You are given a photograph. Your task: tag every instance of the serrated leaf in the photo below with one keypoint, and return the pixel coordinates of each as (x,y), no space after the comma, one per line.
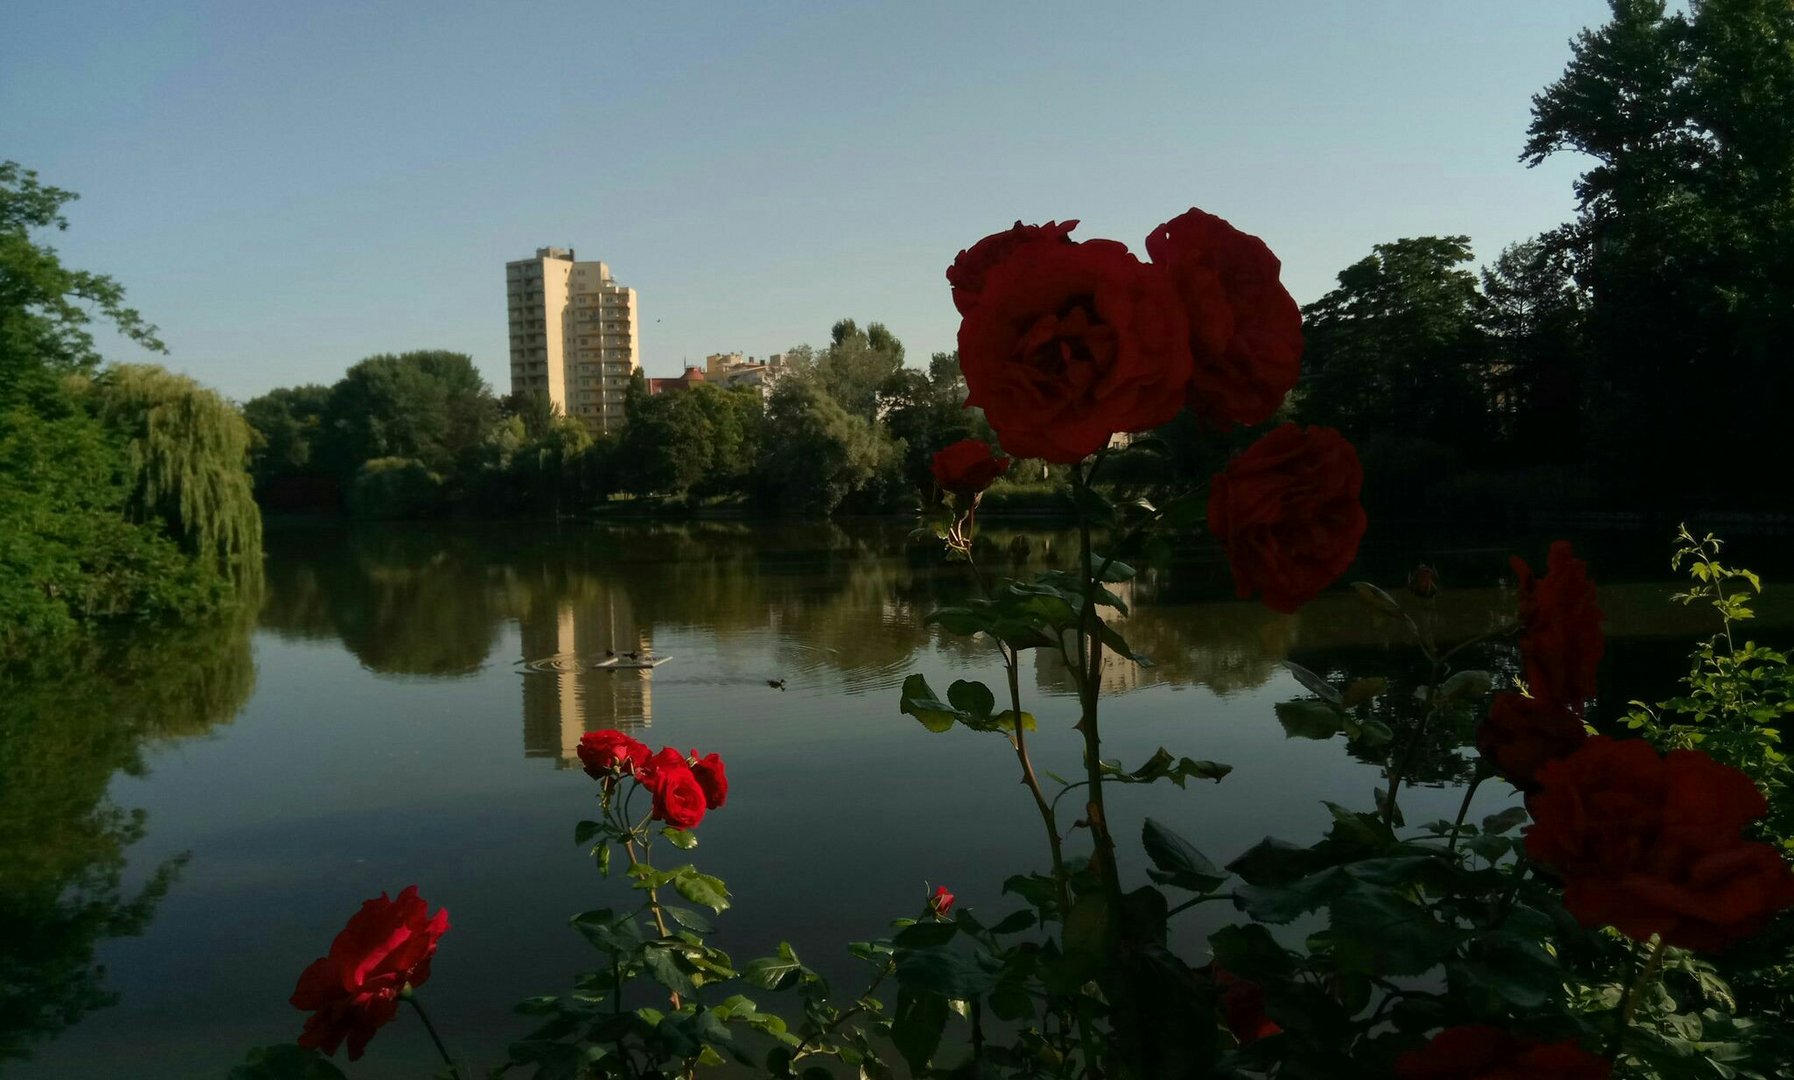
(774,972)
(680,838)
(1376,598)
(702,889)
(585,830)
(1504,820)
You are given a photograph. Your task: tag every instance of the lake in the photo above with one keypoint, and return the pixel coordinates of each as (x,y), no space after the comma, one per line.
(404,708)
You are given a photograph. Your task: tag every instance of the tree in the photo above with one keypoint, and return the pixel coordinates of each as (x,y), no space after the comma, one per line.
(429,405)
(44,306)
(816,454)
(1534,314)
(187,452)
(856,365)
(1396,348)
(286,424)
(1684,239)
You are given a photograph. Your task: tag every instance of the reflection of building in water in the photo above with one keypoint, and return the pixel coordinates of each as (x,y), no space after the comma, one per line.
(563,695)
(1119,674)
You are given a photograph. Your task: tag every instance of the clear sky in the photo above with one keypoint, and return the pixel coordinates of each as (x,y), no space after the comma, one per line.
(287,188)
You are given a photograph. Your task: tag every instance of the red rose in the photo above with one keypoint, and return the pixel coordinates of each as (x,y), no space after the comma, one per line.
(679,798)
(1243,1006)
(966,275)
(1070,343)
(1560,641)
(1523,733)
(609,751)
(941,902)
(967,467)
(1476,1052)
(1652,844)
(386,947)
(709,771)
(1287,512)
(1245,330)
(1423,581)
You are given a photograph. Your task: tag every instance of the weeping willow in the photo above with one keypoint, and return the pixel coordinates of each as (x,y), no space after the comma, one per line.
(188,452)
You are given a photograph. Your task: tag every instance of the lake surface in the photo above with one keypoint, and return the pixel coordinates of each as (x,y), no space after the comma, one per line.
(404,710)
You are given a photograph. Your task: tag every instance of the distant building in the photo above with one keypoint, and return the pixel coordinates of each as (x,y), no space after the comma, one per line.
(574,336)
(693,375)
(734,369)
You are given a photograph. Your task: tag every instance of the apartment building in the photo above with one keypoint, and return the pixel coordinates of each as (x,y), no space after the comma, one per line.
(574,335)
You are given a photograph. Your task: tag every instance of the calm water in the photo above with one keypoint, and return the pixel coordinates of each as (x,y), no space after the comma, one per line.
(405,708)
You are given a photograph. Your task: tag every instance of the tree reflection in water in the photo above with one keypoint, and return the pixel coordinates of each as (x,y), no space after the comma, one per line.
(71,721)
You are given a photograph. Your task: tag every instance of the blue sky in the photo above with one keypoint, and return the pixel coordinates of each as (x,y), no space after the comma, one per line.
(286,188)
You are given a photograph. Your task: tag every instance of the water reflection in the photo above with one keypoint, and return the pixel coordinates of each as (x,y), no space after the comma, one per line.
(71,722)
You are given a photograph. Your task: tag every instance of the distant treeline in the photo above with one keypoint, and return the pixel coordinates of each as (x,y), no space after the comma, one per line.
(1640,357)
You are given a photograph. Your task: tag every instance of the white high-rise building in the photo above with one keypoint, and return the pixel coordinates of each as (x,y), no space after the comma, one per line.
(574,335)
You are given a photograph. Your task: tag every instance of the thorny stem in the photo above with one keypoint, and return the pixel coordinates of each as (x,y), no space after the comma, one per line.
(858,1007)
(407,994)
(1646,975)
(1047,819)
(1399,765)
(1102,858)
(660,921)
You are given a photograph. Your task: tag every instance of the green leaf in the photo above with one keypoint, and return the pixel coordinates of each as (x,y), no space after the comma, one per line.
(775,972)
(1464,685)
(1250,952)
(1015,922)
(1177,862)
(1308,719)
(663,966)
(1501,822)
(1376,598)
(680,838)
(972,698)
(1313,683)
(919,701)
(963,621)
(702,889)
(689,919)
(609,930)
(1186,513)
(286,1061)
(1116,571)
(916,1026)
(585,830)
(925,935)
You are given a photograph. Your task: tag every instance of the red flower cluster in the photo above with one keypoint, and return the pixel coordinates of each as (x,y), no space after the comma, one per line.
(1560,647)
(967,467)
(1064,343)
(1653,844)
(684,786)
(1287,512)
(1476,1052)
(351,993)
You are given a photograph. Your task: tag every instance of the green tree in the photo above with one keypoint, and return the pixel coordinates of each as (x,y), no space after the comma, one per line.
(47,309)
(816,455)
(287,424)
(1535,315)
(429,405)
(1395,355)
(1684,238)
(187,451)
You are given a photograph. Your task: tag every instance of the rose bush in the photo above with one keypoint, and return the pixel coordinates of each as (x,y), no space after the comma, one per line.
(1653,844)
(1245,329)
(353,991)
(1287,513)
